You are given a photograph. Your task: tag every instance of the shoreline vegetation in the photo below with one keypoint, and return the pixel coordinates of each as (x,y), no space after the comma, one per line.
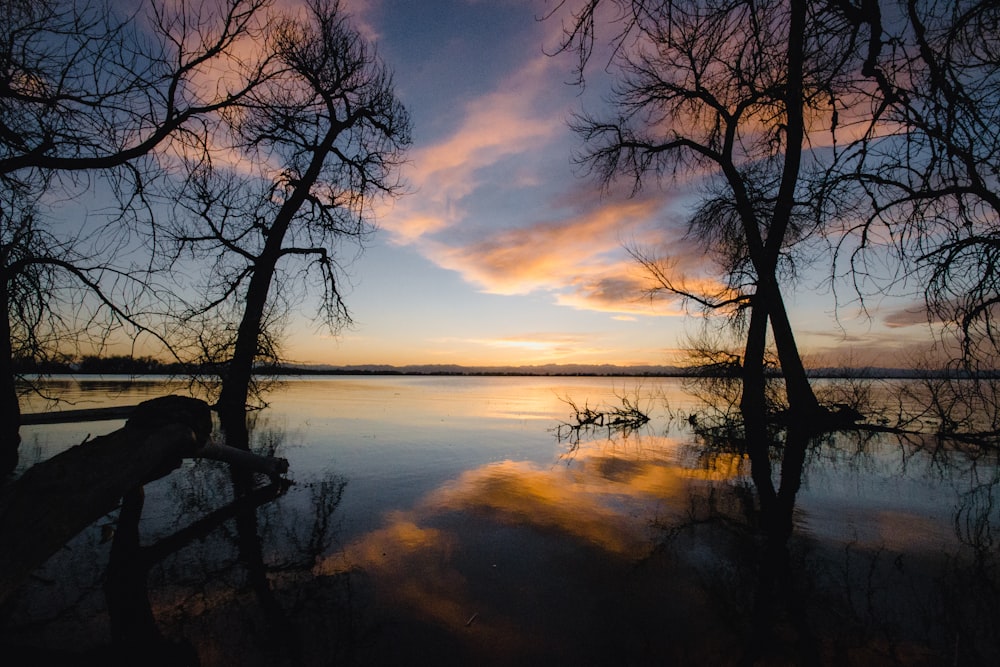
(142,366)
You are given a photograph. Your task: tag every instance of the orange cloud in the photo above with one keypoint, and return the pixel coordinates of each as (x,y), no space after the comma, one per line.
(520,260)
(573,248)
(581,255)
(580,259)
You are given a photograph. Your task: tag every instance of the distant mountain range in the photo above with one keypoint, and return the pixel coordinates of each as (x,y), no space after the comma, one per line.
(122,365)
(455,369)
(574,369)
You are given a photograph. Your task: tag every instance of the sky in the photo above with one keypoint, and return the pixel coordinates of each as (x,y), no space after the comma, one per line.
(503,252)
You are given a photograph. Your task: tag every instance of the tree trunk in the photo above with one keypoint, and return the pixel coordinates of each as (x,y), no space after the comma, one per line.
(10,410)
(236,384)
(232,403)
(753,359)
(753,406)
(801,398)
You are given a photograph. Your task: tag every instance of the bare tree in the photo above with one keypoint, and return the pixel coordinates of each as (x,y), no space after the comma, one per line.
(921,184)
(91,96)
(734,90)
(86,88)
(315,147)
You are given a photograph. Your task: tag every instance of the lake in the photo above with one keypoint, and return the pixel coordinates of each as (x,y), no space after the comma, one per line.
(457,520)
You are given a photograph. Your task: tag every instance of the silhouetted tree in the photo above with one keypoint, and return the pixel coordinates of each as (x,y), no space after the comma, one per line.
(57,299)
(921,183)
(734,91)
(314,148)
(90,95)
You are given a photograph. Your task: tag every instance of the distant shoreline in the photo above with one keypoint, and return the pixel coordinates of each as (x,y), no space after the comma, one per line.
(549,370)
(622,371)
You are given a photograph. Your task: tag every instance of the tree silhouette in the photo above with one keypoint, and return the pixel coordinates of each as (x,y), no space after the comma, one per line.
(734,92)
(921,183)
(315,147)
(92,97)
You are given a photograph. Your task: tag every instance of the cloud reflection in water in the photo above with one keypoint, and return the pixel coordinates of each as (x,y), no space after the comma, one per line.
(558,538)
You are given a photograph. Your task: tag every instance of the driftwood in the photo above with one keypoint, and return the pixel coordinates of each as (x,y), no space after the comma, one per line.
(56,499)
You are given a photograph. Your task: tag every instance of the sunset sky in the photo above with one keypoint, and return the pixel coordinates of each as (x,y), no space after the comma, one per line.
(504,252)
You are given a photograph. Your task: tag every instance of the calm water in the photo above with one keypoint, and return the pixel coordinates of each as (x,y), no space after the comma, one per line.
(440,520)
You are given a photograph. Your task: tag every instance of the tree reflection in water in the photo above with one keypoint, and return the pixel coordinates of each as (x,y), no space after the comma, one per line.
(199,591)
(552,562)
(802,600)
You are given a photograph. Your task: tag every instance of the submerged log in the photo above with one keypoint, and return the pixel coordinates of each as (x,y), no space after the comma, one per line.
(56,499)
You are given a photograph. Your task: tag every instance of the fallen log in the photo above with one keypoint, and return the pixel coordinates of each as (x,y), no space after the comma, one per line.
(56,499)
(81,415)
(271,466)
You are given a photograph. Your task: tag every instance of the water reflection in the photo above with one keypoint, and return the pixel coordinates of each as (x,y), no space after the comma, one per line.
(656,548)
(903,594)
(514,561)
(191,582)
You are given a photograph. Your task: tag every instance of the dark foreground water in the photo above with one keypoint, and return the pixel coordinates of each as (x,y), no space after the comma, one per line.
(442,520)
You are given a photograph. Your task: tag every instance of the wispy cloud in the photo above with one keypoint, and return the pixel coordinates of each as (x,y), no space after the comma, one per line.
(497,201)
(484,205)
(510,121)
(906,317)
(541,255)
